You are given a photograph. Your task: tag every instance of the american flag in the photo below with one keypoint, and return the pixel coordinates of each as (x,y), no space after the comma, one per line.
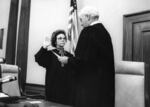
(73,31)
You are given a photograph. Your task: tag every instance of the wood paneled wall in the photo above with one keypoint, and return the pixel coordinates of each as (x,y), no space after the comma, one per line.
(12,32)
(33,89)
(17,46)
(23,35)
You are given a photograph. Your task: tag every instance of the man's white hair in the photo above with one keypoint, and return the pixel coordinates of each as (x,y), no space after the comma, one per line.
(92,12)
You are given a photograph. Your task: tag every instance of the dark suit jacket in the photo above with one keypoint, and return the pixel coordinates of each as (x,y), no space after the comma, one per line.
(94,68)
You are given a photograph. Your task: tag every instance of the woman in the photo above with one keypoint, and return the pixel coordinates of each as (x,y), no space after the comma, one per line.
(58,76)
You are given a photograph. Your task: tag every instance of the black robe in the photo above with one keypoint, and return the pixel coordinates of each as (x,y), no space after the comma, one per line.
(58,78)
(94,68)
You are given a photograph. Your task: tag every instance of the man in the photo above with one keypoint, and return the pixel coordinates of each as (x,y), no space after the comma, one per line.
(93,63)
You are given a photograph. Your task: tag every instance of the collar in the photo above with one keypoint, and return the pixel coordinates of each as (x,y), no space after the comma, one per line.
(95,22)
(61,52)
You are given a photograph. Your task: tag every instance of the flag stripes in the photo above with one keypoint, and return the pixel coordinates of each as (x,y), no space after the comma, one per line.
(73,26)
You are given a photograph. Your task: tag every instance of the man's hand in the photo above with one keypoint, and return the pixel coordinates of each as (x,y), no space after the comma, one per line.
(63,59)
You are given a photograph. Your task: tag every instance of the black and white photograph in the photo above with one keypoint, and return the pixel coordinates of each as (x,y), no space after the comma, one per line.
(74,53)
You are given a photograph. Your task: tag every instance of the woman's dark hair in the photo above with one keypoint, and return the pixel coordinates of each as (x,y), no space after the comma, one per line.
(54,36)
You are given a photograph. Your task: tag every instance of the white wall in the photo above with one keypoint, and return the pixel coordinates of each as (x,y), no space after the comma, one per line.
(48,15)
(45,17)
(4,15)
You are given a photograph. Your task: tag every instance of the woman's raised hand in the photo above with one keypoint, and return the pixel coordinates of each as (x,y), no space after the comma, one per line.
(46,42)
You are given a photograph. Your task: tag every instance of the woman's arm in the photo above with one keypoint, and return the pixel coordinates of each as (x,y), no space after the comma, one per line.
(41,57)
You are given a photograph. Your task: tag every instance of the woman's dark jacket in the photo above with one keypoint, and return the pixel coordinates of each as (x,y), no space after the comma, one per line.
(58,79)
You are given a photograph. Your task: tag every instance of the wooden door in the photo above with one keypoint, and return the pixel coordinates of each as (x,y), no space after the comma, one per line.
(136,45)
(137,37)
(141,41)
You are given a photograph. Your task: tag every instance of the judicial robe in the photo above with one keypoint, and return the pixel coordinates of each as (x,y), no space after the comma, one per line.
(58,78)
(94,68)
